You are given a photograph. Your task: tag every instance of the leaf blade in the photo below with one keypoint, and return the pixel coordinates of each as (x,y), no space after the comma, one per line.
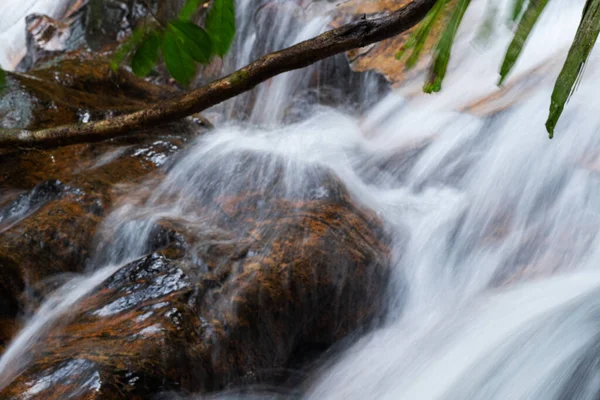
(195,40)
(518,6)
(146,55)
(528,21)
(417,40)
(220,24)
(441,57)
(585,39)
(179,63)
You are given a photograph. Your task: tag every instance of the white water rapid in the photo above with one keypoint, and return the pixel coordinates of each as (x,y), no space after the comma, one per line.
(497,252)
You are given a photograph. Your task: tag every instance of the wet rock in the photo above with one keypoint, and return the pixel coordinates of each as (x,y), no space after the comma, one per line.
(129,337)
(48,225)
(309,280)
(77,87)
(52,201)
(238,300)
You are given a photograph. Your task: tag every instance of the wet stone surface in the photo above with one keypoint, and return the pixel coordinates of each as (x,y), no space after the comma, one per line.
(52,205)
(124,341)
(227,303)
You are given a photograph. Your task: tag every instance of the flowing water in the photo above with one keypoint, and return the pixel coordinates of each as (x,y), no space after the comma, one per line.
(496,254)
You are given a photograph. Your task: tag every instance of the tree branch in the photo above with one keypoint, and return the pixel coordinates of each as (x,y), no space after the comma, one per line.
(347,37)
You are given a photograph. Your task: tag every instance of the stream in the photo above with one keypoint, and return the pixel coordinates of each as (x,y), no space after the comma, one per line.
(495,286)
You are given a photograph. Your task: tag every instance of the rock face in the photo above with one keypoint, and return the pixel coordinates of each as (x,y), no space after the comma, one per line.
(218,308)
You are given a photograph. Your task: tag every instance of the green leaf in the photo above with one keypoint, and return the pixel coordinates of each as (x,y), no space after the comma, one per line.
(190,8)
(127,46)
(194,40)
(441,56)
(417,40)
(518,6)
(146,55)
(220,24)
(585,38)
(2,79)
(531,16)
(179,63)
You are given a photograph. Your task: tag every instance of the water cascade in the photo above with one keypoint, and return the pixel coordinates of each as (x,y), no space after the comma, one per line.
(495,292)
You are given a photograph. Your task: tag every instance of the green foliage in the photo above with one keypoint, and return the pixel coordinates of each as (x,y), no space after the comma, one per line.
(220,23)
(532,14)
(193,40)
(585,38)
(181,42)
(526,13)
(416,41)
(437,72)
(185,44)
(2,78)
(179,63)
(146,55)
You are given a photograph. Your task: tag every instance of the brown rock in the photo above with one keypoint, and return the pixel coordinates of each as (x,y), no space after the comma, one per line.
(239,305)
(49,225)
(78,87)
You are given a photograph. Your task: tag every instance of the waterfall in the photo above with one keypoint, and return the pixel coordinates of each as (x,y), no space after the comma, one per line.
(497,247)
